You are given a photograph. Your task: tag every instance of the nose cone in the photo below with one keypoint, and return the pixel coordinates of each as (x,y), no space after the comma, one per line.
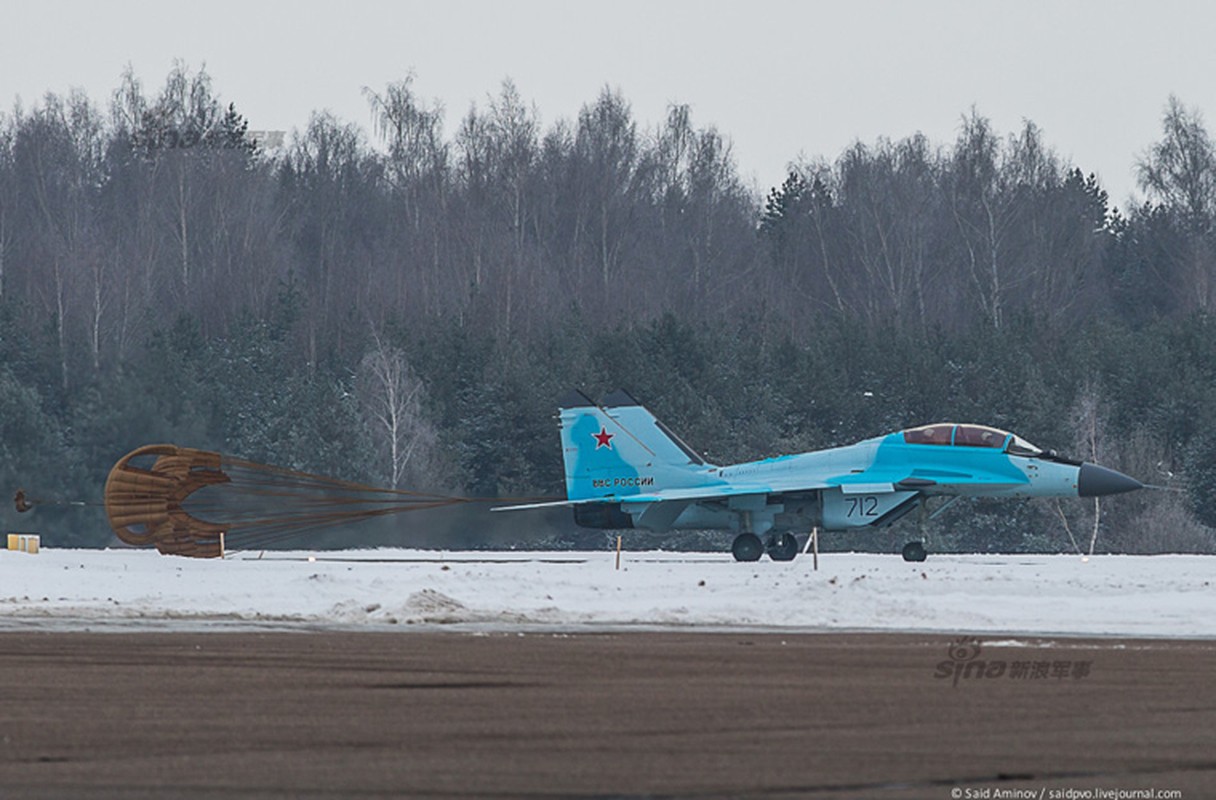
(1095,481)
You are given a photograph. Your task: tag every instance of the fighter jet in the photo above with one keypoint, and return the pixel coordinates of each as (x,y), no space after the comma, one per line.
(626,469)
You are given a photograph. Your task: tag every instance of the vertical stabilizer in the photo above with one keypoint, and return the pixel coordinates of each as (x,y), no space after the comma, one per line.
(617,448)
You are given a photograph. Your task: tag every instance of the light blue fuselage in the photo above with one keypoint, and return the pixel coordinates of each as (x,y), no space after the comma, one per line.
(624,468)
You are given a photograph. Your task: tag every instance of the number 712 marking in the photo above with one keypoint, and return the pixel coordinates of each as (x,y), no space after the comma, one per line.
(866,506)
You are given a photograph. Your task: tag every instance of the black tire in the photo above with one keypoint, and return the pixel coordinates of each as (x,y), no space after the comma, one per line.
(747,547)
(784,549)
(915,551)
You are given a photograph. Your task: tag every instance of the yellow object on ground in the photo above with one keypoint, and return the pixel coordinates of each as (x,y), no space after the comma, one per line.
(24,542)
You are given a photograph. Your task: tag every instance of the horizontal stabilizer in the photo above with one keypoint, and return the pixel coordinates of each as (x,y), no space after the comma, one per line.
(547,504)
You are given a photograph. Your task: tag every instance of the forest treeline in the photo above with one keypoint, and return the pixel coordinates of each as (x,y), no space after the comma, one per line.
(403,307)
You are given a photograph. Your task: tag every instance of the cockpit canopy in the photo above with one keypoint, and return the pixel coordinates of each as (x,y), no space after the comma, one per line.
(951,434)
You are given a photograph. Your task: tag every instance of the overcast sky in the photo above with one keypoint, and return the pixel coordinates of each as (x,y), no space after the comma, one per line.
(781,79)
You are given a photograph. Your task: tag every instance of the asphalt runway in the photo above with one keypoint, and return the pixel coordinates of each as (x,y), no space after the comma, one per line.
(426,714)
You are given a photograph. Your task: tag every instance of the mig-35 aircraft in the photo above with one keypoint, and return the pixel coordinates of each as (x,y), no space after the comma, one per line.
(626,469)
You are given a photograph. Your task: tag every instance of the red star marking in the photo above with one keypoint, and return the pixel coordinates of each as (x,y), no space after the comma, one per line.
(603,438)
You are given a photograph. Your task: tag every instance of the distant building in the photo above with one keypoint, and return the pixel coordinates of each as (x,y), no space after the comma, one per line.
(268,141)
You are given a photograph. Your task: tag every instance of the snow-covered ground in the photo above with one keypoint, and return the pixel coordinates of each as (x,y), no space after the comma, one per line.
(1172,596)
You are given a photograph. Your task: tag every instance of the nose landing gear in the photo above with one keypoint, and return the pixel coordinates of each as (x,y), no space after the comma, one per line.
(915,551)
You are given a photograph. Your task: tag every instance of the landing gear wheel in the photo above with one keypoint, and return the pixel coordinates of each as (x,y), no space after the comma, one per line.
(915,551)
(784,548)
(747,547)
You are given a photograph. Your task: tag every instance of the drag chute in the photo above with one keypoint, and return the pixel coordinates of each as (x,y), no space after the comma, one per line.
(198,503)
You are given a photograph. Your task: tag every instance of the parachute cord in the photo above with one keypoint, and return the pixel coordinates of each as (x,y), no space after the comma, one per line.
(24,503)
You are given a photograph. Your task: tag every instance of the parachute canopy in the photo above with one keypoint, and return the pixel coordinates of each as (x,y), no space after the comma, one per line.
(198,503)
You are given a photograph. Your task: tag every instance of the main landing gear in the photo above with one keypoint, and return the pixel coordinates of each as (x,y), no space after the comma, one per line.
(783,547)
(749,547)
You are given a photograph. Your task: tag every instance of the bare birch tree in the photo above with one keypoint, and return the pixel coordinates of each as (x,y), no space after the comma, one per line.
(391,396)
(1089,425)
(1179,172)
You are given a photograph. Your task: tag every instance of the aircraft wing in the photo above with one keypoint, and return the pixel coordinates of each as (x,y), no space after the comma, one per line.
(717,491)
(860,483)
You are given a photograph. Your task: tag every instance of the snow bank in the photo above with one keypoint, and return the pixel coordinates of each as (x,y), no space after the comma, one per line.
(375,589)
